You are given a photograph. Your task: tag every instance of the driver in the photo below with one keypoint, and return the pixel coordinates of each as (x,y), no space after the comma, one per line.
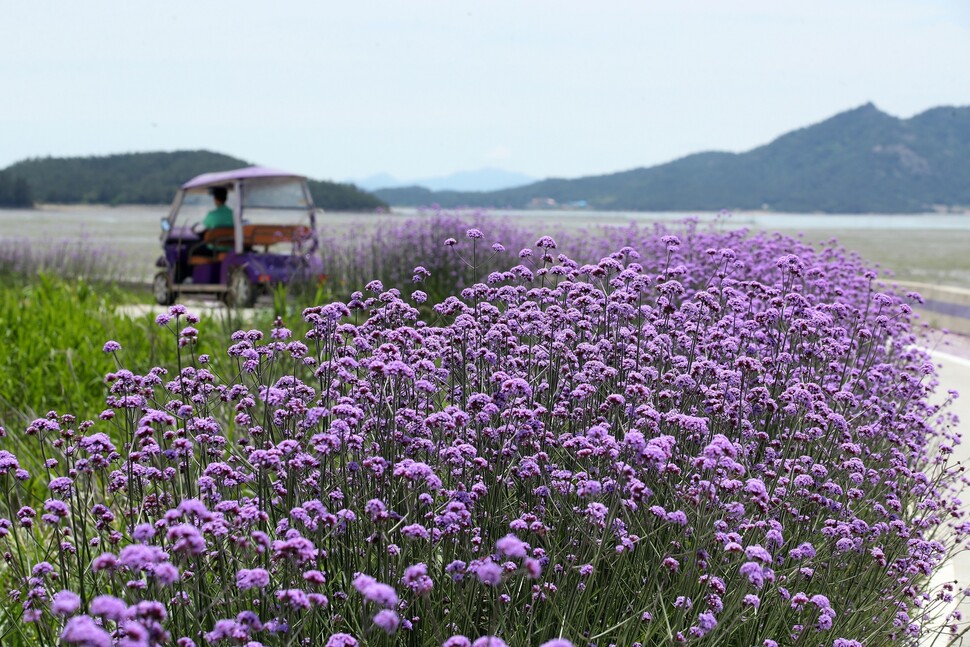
(220,217)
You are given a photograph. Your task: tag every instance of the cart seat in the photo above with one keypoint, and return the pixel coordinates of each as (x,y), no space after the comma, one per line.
(271,234)
(253,235)
(207,260)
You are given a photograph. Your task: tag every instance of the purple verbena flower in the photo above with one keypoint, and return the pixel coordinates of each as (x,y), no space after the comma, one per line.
(489,641)
(82,630)
(65,603)
(387,620)
(489,573)
(255,578)
(109,608)
(512,546)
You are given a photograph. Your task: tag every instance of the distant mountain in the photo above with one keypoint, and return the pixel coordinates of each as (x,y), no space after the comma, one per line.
(484,179)
(378,181)
(151,178)
(862,160)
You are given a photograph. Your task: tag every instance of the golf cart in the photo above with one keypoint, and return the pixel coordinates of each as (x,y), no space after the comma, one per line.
(272,239)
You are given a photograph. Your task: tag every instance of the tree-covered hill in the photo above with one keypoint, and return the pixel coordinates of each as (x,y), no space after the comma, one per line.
(862,160)
(14,191)
(151,178)
(336,196)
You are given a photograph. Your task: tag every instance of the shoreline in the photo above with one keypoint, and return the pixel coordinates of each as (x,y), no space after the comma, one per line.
(955,210)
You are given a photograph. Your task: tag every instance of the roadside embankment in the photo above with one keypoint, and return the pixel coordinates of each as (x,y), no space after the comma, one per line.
(943,306)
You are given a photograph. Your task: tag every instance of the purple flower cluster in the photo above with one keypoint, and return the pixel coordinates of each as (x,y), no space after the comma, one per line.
(407,253)
(731,433)
(71,258)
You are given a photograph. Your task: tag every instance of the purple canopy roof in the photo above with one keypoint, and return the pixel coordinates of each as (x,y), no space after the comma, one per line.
(226,177)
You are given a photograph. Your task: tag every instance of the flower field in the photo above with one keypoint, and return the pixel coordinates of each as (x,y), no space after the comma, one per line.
(623,436)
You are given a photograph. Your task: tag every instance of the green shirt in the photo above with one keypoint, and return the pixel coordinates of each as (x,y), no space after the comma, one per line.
(221,216)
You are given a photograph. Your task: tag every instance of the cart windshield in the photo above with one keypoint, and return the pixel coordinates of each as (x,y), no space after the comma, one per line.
(284,193)
(196,203)
(275,202)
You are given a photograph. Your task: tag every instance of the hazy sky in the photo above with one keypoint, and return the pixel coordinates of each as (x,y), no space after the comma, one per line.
(416,88)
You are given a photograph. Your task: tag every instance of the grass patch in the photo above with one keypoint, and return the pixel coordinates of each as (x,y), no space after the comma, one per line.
(53,337)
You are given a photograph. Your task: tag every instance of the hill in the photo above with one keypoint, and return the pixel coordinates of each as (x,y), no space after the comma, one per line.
(151,178)
(862,160)
(14,191)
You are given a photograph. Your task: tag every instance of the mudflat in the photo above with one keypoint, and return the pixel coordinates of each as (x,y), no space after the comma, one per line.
(930,248)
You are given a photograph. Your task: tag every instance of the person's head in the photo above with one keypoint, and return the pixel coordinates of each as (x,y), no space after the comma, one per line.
(219,194)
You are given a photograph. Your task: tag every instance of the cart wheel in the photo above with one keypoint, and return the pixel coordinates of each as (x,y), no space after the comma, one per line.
(242,291)
(163,295)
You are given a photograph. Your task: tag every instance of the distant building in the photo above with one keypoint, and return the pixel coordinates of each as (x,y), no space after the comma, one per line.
(551,203)
(543,203)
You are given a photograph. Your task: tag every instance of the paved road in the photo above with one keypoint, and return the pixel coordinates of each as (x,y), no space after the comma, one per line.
(201,308)
(954,371)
